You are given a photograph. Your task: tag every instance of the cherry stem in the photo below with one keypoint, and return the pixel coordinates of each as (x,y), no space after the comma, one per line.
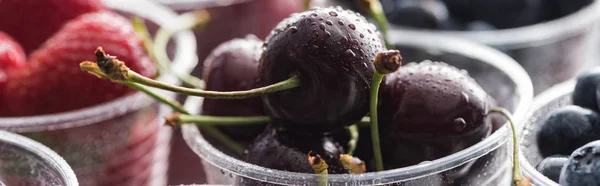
(93,69)
(116,70)
(355,165)
(353,130)
(385,62)
(185,21)
(517,174)
(319,166)
(178,119)
(375,82)
(307,4)
(141,29)
(376,11)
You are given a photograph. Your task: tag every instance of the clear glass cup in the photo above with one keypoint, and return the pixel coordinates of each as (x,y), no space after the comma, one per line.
(488,160)
(551,52)
(553,98)
(27,162)
(124,141)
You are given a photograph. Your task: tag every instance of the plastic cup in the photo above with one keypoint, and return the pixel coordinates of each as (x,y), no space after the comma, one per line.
(27,162)
(551,52)
(488,160)
(124,141)
(551,99)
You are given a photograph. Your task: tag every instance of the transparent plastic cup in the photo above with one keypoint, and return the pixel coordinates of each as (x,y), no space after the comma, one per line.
(489,160)
(551,52)
(27,162)
(124,141)
(551,99)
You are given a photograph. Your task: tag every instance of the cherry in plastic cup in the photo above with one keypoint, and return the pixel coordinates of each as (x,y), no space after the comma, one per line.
(544,103)
(124,141)
(27,162)
(487,162)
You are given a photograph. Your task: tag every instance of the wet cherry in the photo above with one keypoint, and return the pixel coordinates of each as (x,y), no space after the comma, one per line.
(430,110)
(332,51)
(233,66)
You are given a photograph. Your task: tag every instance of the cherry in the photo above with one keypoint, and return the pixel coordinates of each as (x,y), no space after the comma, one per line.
(430,110)
(233,66)
(284,149)
(330,49)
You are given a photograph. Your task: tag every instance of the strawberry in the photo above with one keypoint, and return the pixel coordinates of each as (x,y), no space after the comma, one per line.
(52,81)
(31,22)
(11,59)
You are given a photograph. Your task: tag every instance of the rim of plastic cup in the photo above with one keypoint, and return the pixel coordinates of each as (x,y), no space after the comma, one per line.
(55,161)
(530,35)
(486,54)
(184,61)
(540,101)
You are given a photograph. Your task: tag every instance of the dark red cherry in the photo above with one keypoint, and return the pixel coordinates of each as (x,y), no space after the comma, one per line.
(430,110)
(283,149)
(233,66)
(332,51)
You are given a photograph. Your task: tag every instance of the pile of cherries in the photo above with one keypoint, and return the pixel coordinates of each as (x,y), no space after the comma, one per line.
(472,14)
(427,110)
(569,138)
(332,51)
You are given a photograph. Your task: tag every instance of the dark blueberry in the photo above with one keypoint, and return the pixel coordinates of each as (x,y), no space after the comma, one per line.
(586,91)
(430,110)
(233,66)
(507,13)
(427,14)
(583,166)
(567,128)
(332,51)
(283,149)
(551,166)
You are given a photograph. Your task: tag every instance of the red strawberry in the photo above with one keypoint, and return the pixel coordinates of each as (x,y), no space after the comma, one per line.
(11,59)
(31,22)
(52,81)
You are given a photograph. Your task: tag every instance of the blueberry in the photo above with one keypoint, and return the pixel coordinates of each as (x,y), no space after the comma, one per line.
(566,129)
(583,166)
(551,166)
(586,91)
(428,14)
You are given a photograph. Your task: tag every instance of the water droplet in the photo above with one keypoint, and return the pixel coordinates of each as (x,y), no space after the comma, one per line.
(328,22)
(327,33)
(321,19)
(352,26)
(344,39)
(355,42)
(459,124)
(322,26)
(447,80)
(362,36)
(293,29)
(349,53)
(313,15)
(341,23)
(369,31)
(332,13)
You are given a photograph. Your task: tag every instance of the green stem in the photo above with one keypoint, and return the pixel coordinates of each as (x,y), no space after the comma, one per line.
(175,105)
(319,166)
(517,175)
(376,11)
(161,39)
(290,83)
(353,129)
(222,121)
(376,81)
(211,130)
(141,29)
